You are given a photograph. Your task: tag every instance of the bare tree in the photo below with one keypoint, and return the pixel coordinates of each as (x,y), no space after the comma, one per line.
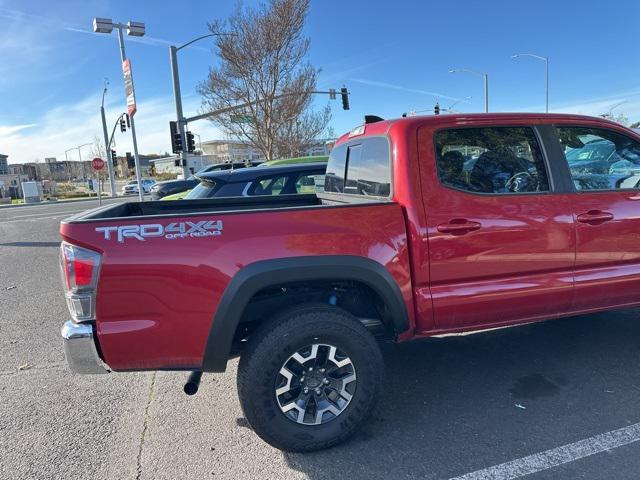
(263,58)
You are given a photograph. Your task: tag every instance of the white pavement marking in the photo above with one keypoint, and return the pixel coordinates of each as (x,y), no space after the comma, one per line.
(557,456)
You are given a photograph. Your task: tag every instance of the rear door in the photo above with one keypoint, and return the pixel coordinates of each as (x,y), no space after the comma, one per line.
(500,234)
(604,165)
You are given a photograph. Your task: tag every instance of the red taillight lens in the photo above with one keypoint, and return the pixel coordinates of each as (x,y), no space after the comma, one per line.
(80,268)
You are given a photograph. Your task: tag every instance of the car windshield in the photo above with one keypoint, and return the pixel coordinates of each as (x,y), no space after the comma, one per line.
(204,189)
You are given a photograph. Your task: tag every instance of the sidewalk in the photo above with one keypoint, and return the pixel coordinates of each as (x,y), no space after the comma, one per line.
(71,200)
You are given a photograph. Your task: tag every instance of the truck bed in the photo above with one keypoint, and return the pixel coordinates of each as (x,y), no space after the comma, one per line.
(131,210)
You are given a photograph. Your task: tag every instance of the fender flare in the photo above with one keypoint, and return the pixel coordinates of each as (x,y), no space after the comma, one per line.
(262,274)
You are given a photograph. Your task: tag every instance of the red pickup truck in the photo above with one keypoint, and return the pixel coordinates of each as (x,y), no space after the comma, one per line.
(427,226)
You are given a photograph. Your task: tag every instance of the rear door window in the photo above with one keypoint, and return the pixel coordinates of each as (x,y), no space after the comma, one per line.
(494,160)
(600,159)
(362,168)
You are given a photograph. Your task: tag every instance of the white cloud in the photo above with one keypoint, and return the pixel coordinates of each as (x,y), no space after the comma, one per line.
(70,125)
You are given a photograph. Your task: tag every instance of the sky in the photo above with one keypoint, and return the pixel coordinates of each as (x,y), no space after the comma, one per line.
(392,56)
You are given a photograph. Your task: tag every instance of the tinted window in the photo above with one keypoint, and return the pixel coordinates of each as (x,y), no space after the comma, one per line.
(600,159)
(308,183)
(268,186)
(360,169)
(202,190)
(334,180)
(491,160)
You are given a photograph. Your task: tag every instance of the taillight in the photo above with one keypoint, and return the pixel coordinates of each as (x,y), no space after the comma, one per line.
(79,268)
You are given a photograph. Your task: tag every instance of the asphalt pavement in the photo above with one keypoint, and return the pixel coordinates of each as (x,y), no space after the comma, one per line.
(552,400)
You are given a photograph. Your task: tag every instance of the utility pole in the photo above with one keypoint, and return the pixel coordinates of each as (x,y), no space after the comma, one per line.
(112,181)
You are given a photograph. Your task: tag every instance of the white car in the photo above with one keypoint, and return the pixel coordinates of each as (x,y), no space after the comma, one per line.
(131,188)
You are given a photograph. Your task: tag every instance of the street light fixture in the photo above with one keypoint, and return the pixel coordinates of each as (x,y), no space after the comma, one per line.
(546,74)
(181,121)
(486,83)
(134,29)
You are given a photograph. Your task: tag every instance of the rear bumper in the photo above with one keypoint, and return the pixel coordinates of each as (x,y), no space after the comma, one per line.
(80,349)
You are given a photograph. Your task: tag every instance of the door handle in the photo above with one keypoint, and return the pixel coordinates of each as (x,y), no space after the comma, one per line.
(458,226)
(595,217)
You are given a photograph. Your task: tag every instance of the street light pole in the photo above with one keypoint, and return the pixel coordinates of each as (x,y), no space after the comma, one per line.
(136,158)
(485,78)
(112,181)
(546,75)
(175,76)
(106,25)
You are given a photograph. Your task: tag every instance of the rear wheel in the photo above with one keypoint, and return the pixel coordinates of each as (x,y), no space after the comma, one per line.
(309,378)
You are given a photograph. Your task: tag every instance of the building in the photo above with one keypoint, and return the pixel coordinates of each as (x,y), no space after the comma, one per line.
(126,166)
(4,164)
(222,151)
(11,185)
(168,164)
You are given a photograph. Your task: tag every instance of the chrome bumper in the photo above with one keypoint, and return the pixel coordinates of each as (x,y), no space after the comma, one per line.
(80,348)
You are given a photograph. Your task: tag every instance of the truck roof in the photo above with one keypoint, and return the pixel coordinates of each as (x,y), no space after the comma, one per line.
(382,127)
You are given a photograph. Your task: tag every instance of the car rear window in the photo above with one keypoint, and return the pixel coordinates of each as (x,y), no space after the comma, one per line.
(205,189)
(360,168)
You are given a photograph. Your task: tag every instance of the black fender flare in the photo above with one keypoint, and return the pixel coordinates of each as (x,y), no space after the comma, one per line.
(262,274)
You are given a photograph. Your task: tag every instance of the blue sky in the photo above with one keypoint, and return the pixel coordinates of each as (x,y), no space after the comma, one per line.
(393,57)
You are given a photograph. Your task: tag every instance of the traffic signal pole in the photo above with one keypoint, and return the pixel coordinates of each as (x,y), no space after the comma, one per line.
(173,55)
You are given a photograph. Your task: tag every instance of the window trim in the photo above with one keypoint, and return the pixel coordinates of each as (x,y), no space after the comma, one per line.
(565,162)
(543,152)
(359,141)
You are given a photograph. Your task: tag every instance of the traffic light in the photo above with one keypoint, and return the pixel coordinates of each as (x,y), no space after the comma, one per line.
(176,138)
(114,158)
(191,145)
(344,93)
(436,109)
(126,116)
(123,125)
(131,162)
(332,93)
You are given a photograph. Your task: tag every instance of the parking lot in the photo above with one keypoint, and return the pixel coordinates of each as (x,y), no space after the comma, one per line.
(476,406)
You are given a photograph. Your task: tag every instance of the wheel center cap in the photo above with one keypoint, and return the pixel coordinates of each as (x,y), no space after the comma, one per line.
(313,381)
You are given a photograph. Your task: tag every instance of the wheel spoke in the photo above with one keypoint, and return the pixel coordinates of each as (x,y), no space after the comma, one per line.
(307,386)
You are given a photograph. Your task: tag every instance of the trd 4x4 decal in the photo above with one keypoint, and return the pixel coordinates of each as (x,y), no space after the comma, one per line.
(172,231)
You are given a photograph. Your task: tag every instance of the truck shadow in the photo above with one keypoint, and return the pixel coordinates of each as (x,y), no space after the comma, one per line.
(459,404)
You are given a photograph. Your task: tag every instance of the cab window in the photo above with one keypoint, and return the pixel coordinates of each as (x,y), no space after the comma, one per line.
(600,159)
(491,160)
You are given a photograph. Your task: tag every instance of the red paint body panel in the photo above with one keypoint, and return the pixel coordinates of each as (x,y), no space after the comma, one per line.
(156,299)
(529,258)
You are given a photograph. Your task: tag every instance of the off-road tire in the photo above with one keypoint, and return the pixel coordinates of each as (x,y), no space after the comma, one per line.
(277,340)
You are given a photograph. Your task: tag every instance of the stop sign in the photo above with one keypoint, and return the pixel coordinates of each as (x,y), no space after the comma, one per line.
(97,163)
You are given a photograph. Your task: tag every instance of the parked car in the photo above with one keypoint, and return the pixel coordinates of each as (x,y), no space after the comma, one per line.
(131,188)
(171,187)
(280,180)
(402,244)
(286,161)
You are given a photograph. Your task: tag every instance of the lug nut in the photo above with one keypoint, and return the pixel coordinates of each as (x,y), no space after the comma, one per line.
(322,370)
(306,390)
(326,381)
(317,391)
(311,369)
